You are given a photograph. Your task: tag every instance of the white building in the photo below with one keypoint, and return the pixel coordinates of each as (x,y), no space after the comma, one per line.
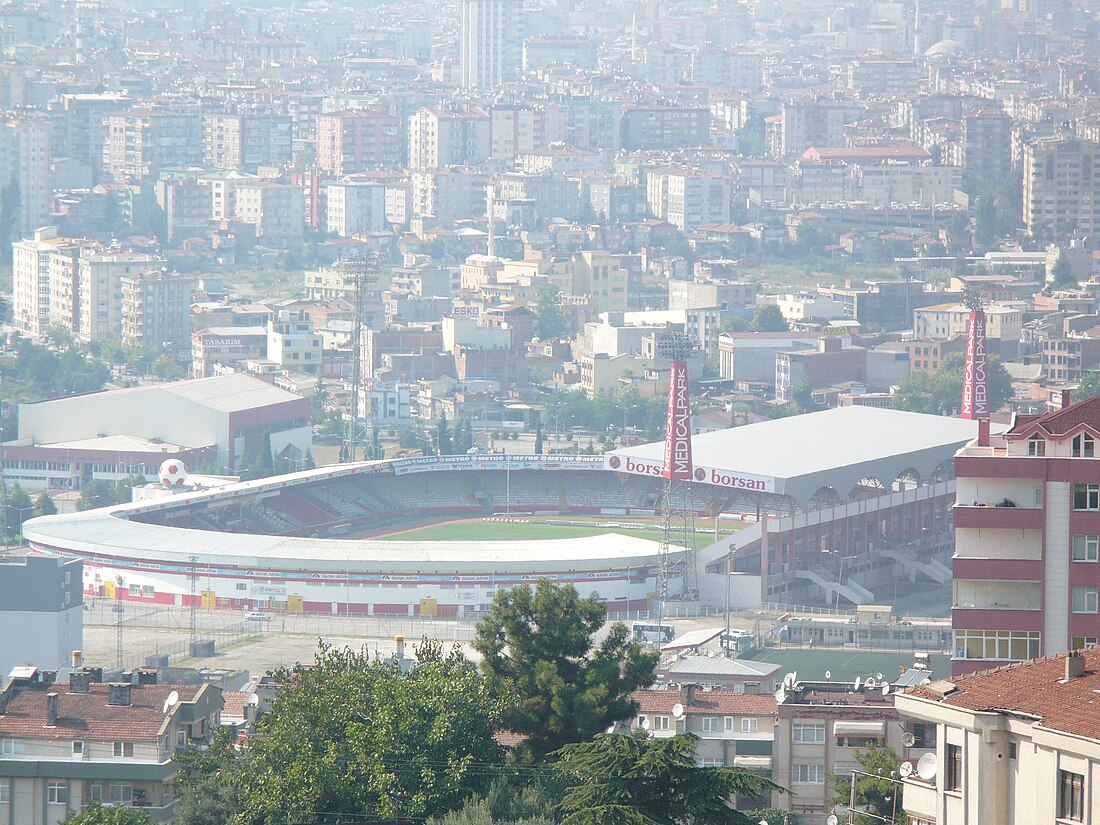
(43,597)
(25,162)
(491,42)
(292,342)
(1019,744)
(31,278)
(99,289)
(356,206)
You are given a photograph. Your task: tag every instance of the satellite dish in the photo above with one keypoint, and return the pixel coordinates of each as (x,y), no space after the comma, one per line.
(828,674)
(678,711)
(254,700)
(171,701)
(870,682)
(645,724)
(794,678)
(832,820)
(788,680)
(926,767)
(885,688)
(610,729)
(908,739)
(780,696)
(905,770)
(857,684)
(878,676)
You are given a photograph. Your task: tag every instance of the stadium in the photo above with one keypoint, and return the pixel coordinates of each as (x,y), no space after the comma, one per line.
(423,536)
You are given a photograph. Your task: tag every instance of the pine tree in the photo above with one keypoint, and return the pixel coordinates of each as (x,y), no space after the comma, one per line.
(442,437)
(538,441)
(309,464)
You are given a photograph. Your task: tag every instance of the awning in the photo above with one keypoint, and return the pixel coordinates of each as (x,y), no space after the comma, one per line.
(753,762)
(847,728)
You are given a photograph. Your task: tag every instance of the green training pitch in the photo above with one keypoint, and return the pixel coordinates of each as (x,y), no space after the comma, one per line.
(479,530)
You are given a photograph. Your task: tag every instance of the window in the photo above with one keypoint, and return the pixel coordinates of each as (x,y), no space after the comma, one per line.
(924,737)
(124,748)
(1009,645)
(1071,796)
(1086,496)
(809,733)
(1086,548)
(1013,750)
(57,793)
(4,793)
(808,774)
(710,724)
(954,768)
(1084,446)
(1083,600)
(78,747)
(660,723)
(11,747)
(750,725)
(122,792)
(1036,445)
(97,792)
(1081,642)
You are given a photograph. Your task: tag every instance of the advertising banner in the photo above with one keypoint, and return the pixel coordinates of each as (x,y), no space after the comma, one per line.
(677,463)
(975,392)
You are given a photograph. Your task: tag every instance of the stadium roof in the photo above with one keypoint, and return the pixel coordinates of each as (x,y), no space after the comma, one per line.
(797,456)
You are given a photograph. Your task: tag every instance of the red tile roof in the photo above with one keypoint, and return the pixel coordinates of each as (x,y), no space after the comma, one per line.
(88,716)
(1061,422)
(724,702)
(1037,688)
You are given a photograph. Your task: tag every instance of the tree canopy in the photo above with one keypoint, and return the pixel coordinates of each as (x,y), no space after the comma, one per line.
(99,814)
(878,794)
(1088,386)
(617,779)
(538,647)
(941,394)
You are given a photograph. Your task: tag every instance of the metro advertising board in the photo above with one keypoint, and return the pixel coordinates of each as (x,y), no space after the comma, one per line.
(716,476)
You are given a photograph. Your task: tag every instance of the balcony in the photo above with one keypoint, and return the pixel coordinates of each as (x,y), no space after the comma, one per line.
(998,517)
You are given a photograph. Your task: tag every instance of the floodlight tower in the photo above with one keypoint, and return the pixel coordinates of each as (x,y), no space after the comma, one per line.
(360,271)
(975,391)
(678,529)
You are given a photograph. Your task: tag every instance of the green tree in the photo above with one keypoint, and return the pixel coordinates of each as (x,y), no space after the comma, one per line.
(769,318)
(879,794)
(985,223)
(18,509)
(354,735)
(618,779)
(1088,386)
(538,646)
(538,441)
(207,784)
(96,493)
(124,488)
(167,369)
(99,814)
(549,321)
(309,463)
(442,437)
(941,394)
(44,505)
(1062,273)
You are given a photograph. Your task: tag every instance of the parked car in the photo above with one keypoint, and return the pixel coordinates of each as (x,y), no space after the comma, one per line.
(256,616)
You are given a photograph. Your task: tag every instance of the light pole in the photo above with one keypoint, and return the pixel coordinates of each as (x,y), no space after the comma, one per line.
(729,572)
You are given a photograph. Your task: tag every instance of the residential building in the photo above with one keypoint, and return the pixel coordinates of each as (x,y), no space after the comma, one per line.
(277,210)
(99,286)
(733,729)
(987,145)
(696,198)
(749,357)
(820,123)
(1061,193)
(214,348)
(68,745)
(665,127)
(25,163)
(448,195)
(357,140)
(246,141)
(1004,325)
(185,202)
(355,206)
(79,127)
(834,361)
(1014,744)
(292,343)
(31,265)
(490,42)
(439,138)
(142,141)
(602,276)
(43,597)
(1027,539)
(156,311)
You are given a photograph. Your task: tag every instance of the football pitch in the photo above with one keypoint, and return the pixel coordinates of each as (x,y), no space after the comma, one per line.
(533,529)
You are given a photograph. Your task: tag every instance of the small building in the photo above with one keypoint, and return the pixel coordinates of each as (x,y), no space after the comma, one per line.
(42,596)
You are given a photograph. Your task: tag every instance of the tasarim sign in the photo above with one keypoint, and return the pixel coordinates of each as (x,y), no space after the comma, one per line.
(975,392)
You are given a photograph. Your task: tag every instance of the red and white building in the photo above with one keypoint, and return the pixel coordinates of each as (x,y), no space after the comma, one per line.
(1027,539)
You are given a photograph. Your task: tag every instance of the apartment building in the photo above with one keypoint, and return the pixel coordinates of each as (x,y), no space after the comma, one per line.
(1027,533)
(31,281)
(1004,325)
(665,127)
(277,210)
(356,206)
(292,343)
(1012,745)
(246,141)
(25,163)
(41,595)
(807,123)
(439,138)
(142,141)
(490,42)
(79,126)
(357,140)
(99,287)
(696,198)
(1061,195)
(156,310)
(63,746)
(987,145)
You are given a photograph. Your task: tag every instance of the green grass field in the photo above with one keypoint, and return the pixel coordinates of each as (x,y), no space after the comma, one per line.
(478,530)
(846,664)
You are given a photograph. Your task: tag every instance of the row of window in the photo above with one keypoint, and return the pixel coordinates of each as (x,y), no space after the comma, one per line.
(711,724)
(57,792)
(1082,446)
(14,747)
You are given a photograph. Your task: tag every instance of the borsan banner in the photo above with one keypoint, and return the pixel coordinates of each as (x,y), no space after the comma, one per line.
(716,476)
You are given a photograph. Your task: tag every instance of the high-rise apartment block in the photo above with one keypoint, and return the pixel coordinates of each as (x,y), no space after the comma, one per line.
(1027,539)
(987,145)
(1061,187)
(156,311)
(31,266)
(142,141)
(357,141)
(25,172)
(439,138)
(99,288)
(491,41)
(246,141)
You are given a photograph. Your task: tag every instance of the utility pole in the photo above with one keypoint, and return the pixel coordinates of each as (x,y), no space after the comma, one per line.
(359,273)
(193,574)
(729,571)
(120,610)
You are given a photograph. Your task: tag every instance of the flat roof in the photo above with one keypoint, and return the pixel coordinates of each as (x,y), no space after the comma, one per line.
(796,456)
